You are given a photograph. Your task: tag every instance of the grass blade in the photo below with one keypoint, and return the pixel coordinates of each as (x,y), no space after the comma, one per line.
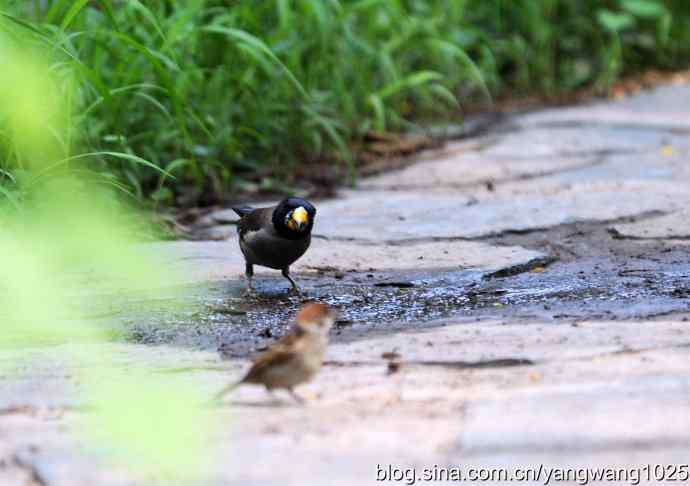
(258,45)
(72,13)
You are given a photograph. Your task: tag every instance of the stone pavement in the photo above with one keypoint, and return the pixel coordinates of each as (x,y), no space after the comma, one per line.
(490,392)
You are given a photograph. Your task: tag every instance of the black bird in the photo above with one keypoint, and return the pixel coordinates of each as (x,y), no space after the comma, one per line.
(275,237)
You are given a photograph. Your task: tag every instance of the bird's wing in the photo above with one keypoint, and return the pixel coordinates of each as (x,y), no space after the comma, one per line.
(291,339)
(277,355)
(253,220)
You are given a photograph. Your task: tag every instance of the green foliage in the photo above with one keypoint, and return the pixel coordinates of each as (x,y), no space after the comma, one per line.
(215,92)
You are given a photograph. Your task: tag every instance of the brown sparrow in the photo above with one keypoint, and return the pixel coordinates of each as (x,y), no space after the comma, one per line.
(296,357)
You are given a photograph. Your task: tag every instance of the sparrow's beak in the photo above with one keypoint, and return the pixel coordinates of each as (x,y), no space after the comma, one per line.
(299,219)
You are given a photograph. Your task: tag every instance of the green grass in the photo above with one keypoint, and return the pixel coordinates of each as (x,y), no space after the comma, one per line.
(226,95)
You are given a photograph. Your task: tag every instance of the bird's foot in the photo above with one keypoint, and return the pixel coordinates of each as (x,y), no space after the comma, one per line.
(294,291)
(297,398)
(308,396)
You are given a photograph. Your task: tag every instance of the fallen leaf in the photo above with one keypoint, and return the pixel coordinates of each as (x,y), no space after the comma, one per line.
(390,355)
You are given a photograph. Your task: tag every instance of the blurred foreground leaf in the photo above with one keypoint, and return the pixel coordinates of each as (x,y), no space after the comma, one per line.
(66,245)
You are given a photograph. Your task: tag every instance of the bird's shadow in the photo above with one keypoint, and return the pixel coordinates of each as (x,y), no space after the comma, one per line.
(274,403)
(270,293)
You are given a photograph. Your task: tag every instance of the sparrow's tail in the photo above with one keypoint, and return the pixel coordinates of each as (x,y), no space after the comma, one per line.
(219,396)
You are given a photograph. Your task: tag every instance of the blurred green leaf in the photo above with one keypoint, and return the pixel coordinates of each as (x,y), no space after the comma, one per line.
(11,197)
(645,8)
(615,22)
(409,82)
(379,112)
(70,246)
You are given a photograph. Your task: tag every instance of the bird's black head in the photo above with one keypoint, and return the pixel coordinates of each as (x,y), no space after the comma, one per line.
(293,218)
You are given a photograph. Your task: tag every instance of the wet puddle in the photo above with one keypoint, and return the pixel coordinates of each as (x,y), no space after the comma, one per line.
(591,276)
(221,316)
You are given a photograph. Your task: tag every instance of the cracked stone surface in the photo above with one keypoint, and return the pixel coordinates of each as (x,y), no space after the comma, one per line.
(210,261)
(456,167)
(671,226)
(532,288)
(421,215)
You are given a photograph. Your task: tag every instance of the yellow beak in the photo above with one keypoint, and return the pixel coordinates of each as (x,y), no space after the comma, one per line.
(300,217)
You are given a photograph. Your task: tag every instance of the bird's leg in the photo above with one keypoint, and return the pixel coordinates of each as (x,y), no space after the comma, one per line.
(294,395)
(286,274)
(275,399)
(249,273)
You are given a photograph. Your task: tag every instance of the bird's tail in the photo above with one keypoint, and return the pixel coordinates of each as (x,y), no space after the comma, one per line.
(243,210)
(219,396)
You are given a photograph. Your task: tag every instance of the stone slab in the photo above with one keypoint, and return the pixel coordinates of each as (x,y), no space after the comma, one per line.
(531,152)
(590,193)
(664,108)
(642,409)
(458,168)
(207,261)
(611,389)
(411,215)
(546,139)
(675,225)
